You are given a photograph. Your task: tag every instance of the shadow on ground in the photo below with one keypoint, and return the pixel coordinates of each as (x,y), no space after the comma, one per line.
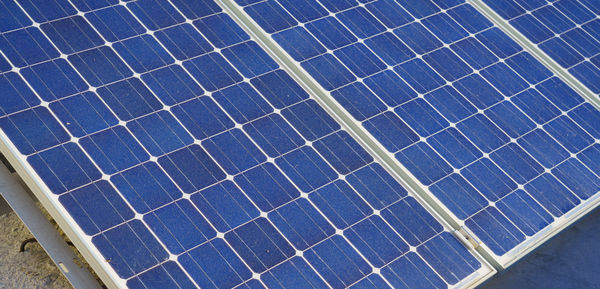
(570,260)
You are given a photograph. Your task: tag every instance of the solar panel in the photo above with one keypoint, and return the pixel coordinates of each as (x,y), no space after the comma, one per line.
(500,140)
(567,31)
(178,154)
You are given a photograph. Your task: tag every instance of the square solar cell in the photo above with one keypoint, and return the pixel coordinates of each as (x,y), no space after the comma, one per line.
(294,272)
(183,41)
(12,17)
(221,30)
(357,99)
(54,79)
(259,244)
(114,149)
(279,89)
(306,169)
(212,71)
(274,136)
(460,197)
(26,47)
(156,14)
(410,270)
(143,53)
(100,66)
(146,187)
(242,102)
(160,133)
(87,5)
(376,241)
(341,204)
(172,84)
(249,59)
(376,186)
(167,275)
(234,151)
(115,23)
(18,96)
(83,114)
(267,186)
(342,152)
(47,10)
(202,125)
(197,9)
(129,98)
(72,34)
(191,168)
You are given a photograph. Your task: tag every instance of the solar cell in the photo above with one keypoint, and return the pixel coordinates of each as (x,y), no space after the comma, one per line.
(187,157)
(566,30)
(475,118)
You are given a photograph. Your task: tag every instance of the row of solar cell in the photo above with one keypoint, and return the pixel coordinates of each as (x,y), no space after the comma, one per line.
(182,149)
(567,30)
(456,100)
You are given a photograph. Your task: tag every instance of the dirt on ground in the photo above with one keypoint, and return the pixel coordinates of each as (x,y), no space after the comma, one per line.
(31,269)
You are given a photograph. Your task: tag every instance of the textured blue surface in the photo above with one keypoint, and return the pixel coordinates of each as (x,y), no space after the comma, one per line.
(568,31)
(460,104)
(192,160)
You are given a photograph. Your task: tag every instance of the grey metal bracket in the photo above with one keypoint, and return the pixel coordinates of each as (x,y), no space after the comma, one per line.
(45,233)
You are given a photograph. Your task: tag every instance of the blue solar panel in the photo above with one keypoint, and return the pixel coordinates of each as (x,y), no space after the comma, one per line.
(490,131)
(568,31)
(188,158)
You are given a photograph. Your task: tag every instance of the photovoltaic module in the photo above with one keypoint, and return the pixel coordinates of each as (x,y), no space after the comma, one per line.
(303,144)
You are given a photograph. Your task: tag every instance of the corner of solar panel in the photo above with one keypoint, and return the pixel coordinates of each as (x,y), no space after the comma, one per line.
(185,153)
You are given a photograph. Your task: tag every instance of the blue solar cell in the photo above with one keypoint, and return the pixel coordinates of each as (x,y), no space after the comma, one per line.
(146,187)
(234,151)
(202,125)
(508,117)
(279,89)
(87,5)
(390,88)
(361,22)
(267,186)
(376,241)
(47,10)
(389,48)
(341,204)
(424,163)
(215,265)
(337,262)
(155,14)
(527,67)
(306,169)
(114,149)
(474,53)
(360,60)
(212,71)
(197,9)
(26,47)
(221,30)
(271,16)
(454,147)
(130,247)
(191,168)
(417,37)
(517,163)
(391,131)
(100,66)
(242,102)
(225,206)
(299,42)
(536,106)
(468,18)
(301,224)
(495,230)
(445,28)
(115,23)
(342,152)
(419,75)
(129,98)
(83,114)
(588,118)
(249,59)
(357,99)
(552,195)
(328,71)
(259,244)
(389,13)
(64,168)
(577,178)
(504,79)
(72,34)
(331,32)
(96,207)
(54,79)
(294,272)
(483,133)
(172,85)
(412,272)
(273,135)
(12,16)
(179,226)
(569,134)
(143,53)
(167,275)
(183,41)
(489,179)
(524,212)
(310,120)
(160,133)
(17,95)
(411,221)
(371,281)
(560,51)
(452,264)
(421,117)
(498,42)
(460,197)
(376,186)
(543,148)
(33,130)
(590,157)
